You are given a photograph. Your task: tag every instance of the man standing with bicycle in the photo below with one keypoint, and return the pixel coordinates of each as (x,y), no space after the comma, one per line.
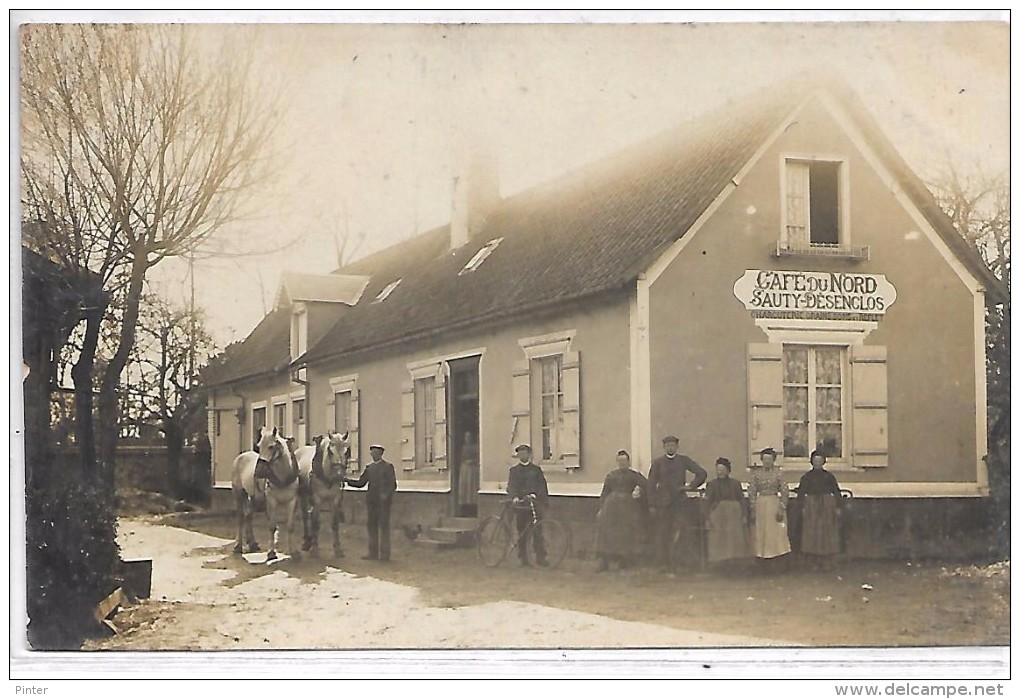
(667,483)
(526,481)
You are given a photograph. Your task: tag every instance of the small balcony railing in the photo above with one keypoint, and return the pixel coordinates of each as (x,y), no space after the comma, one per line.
(832,250)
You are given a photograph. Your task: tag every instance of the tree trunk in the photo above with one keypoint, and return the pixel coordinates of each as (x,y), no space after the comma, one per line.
(109,417)
(83,374)
(174,447)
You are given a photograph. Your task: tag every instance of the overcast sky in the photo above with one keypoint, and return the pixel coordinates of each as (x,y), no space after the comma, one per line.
(367,136)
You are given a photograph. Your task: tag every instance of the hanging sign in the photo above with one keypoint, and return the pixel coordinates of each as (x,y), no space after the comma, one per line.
(795,294)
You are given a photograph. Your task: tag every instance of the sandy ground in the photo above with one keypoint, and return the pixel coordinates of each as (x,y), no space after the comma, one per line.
(204,597)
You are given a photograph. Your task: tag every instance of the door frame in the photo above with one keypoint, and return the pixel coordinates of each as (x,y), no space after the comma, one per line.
(452,422)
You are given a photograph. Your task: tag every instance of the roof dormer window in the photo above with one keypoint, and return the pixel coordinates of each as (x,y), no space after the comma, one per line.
(480,256)
(385,293)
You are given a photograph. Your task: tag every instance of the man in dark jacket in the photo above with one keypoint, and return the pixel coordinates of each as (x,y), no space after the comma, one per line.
(526,481)
(667,485)
(382,483)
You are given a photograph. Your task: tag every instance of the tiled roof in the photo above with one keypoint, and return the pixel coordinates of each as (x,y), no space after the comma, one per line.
(590,232)
(329,288)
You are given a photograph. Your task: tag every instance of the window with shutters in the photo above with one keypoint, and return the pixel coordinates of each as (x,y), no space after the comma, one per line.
(547,407)
(342,414)
(280,417)
(423,417)
(803,397)
(813,400)
(546,400)
(425,422)
(258,420)
(297,408)
(342,411)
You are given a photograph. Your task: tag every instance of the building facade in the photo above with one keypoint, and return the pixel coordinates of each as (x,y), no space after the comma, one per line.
(771,274)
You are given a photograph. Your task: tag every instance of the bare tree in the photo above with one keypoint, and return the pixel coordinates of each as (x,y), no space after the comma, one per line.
(138,143)
(346,243)
(161,378)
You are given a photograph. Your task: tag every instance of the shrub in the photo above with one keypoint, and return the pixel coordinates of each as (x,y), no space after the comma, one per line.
(71,553)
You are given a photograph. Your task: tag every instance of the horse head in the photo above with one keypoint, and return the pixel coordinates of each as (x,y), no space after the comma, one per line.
(338,453)
(273,448)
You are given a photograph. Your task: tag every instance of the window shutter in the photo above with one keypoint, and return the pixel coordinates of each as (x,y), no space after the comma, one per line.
(570,446)
(210,427)
(521,403)
(870,397)
(798,205)
(440,435)
(355,442)
(407,424)
(765,397)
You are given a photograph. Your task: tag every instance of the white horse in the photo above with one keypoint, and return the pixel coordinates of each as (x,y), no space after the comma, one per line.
(323,468)
(271,473)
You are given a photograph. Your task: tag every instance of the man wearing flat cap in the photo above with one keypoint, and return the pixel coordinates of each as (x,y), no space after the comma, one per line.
(668,487)
(526,481)
(381,479)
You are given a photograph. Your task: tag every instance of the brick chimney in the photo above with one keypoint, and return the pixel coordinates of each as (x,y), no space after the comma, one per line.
(475,191)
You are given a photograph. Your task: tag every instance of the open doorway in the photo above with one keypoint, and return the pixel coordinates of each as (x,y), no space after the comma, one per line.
(463,425)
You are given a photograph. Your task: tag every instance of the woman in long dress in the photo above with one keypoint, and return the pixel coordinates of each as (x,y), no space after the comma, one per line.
(727,515)
(467,478)
(769,496)
(819,493)
(623,508)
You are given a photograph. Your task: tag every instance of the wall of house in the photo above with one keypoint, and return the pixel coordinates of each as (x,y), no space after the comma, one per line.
(602,341)
(700,331)
(236,436)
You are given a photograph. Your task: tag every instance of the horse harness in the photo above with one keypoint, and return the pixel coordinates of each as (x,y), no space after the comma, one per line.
(262,470)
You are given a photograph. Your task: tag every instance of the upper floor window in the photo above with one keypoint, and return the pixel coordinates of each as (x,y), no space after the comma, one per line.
(298,330)
(815,214)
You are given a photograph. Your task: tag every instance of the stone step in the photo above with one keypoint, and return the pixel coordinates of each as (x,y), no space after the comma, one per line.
(426,542)
(453,535)
(465,523)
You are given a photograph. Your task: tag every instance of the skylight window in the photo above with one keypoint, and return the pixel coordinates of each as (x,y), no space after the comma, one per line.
(387,290)
(476,261)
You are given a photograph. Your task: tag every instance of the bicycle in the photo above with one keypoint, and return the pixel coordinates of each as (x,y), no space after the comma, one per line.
(496,536)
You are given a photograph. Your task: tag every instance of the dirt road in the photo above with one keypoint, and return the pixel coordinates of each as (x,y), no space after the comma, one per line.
(205,597)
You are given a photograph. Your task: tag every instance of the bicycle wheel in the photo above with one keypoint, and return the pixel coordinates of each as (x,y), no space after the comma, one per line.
(550,536)
(494,539)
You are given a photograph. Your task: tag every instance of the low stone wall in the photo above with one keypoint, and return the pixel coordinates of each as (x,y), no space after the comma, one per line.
(146,467)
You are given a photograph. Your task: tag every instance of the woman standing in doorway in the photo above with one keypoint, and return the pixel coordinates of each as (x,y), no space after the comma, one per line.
(727,515)
(769,496)
(467,476)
